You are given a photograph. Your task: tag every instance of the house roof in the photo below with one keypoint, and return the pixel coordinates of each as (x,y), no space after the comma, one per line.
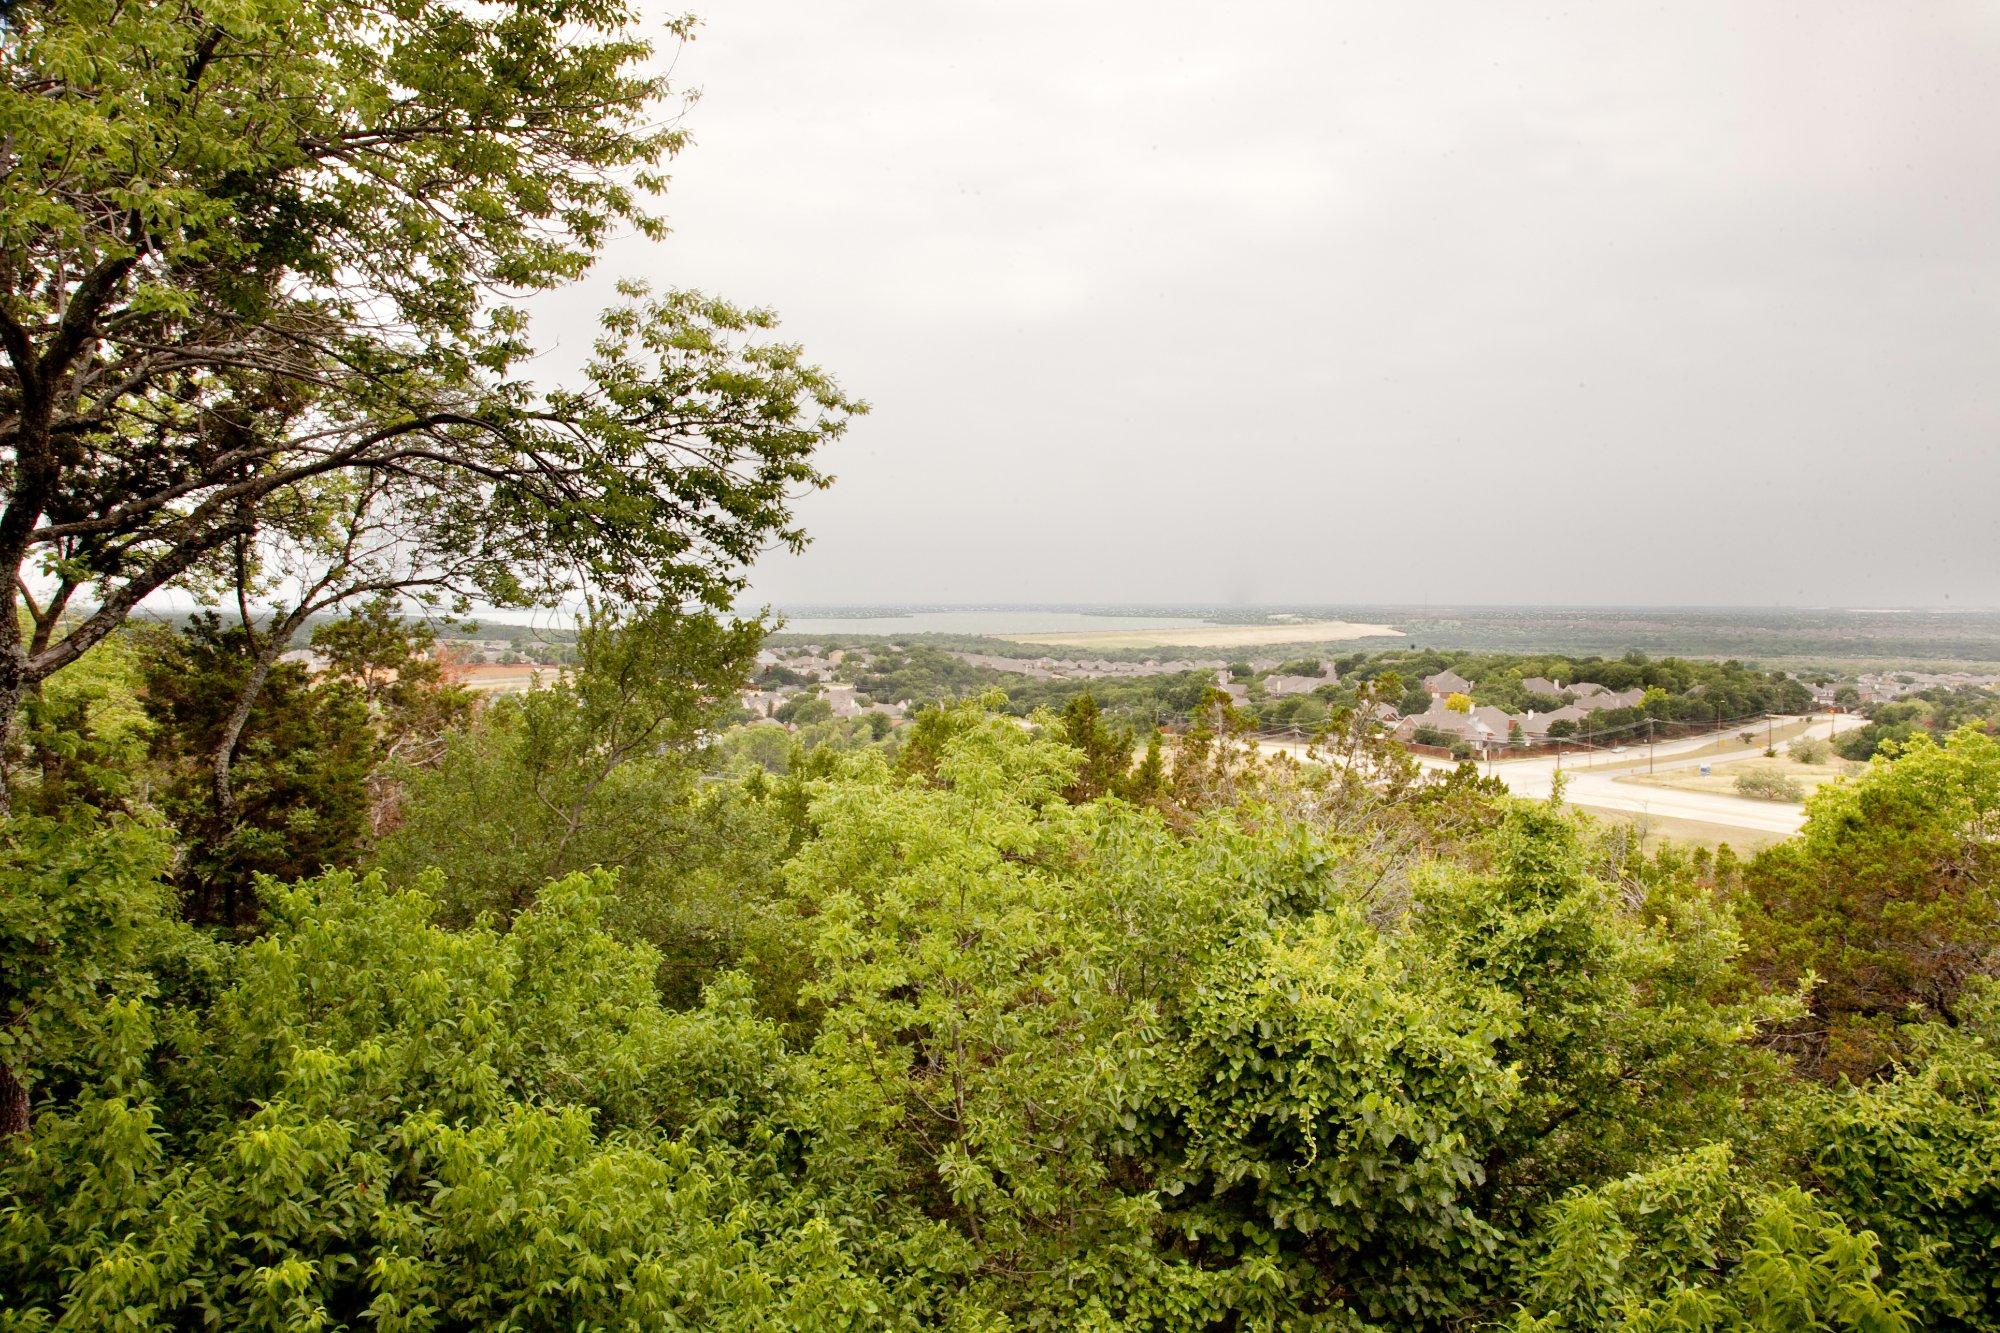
(1485,723)
(1603,699)
(1538,724)
(1451,724)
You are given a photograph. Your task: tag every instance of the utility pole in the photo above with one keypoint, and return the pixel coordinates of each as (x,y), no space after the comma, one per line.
(1649,745)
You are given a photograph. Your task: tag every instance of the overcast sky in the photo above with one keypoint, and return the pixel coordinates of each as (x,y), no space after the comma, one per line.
(1159,301)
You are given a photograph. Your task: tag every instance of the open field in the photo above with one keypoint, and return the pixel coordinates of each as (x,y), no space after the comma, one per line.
(1810,776)
(492,679)
(1654,829)
(1304,633)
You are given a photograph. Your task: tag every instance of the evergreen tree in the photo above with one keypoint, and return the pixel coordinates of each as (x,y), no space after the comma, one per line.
(301,767)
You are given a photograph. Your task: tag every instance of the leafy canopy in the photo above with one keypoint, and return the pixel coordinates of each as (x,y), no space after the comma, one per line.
(255,262)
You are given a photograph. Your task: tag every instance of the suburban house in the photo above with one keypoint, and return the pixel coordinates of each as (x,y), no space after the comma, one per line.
(1483,726)
(1585,694)
(1598,699)
(845,704)
(1446,682)
(1279,686)
(1535,726)
(1494,725)
(1487,726)
(761,703)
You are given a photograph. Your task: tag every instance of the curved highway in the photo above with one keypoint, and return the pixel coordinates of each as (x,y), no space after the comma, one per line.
(1593,784)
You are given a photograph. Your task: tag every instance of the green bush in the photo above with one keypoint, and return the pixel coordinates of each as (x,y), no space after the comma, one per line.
(1913,1159)
(1691,1244)
(1764,786)
(82,912)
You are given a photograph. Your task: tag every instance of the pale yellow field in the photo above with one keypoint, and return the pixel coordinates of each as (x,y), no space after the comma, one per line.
(491,678)
(1210,636)
(1655,829)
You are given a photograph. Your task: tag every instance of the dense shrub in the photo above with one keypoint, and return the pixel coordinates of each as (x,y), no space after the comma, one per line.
(1915,1159)
(1890,899)
(1693,1244)
(1767,786)
(385,1123)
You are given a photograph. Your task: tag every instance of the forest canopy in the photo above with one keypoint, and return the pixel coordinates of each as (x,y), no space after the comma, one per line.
(1260,1047)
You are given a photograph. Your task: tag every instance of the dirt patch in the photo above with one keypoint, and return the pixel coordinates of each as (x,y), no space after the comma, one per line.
(491,679)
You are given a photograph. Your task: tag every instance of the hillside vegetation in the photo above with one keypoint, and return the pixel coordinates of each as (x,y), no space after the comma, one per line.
(1208,1041)
(333,997)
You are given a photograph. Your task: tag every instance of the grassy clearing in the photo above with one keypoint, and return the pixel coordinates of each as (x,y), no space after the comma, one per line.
(1728,746)
(1211,636)
(1723,779)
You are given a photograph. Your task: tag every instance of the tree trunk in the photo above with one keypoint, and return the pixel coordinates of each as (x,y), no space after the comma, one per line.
(13,1106)
(223,759)
(12,696)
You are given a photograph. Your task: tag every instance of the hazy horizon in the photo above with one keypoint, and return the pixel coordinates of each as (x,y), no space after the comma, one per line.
(1170,603)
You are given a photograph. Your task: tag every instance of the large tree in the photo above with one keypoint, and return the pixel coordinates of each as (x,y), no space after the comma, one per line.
(254,249)
(1889,900)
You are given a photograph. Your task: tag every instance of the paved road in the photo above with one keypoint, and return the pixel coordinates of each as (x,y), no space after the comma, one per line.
(1593,783)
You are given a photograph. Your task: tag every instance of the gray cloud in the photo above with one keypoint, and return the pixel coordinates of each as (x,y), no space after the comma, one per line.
(1296,301)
